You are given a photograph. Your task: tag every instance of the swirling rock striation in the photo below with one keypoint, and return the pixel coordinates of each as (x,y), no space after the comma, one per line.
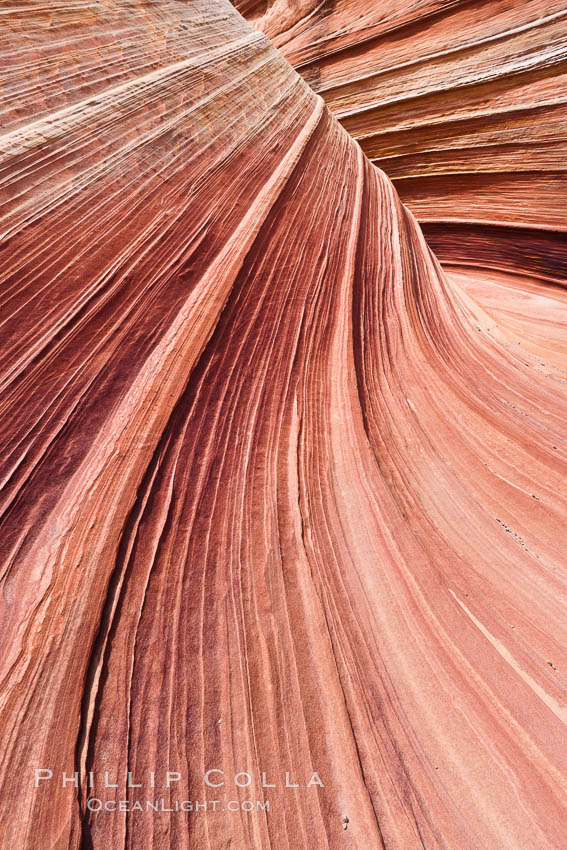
(279,495)
(464,105)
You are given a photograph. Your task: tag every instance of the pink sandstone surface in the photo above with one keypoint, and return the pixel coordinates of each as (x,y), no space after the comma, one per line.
(281,493)
(464,106)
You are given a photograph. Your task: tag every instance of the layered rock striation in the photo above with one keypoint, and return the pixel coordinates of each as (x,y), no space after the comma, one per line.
(462,104)
(280,496)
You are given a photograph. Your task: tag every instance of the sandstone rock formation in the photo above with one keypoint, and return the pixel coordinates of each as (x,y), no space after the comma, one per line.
(280,495)
(464,105)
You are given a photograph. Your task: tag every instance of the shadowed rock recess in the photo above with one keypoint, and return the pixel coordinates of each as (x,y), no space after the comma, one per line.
(280,495)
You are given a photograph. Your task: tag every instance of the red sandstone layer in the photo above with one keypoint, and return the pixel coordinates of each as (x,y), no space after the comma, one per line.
(464,106)
(279,495)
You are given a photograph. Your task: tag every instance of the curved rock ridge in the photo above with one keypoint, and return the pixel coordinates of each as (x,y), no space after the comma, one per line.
(464,105)
(280,496)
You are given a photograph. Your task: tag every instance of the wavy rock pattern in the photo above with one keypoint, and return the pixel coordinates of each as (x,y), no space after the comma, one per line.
(463,104)
(278,493)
